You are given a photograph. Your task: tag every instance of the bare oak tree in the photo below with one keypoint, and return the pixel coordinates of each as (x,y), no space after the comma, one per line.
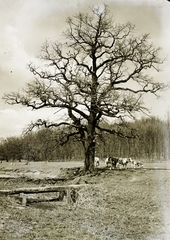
(99,72)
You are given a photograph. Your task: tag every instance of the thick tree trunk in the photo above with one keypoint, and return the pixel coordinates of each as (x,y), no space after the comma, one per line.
(89,159)
(91,133)
(90,149)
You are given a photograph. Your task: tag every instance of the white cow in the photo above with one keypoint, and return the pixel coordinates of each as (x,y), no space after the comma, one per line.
(96,161)
(136,164)
(124,162)
(107,161)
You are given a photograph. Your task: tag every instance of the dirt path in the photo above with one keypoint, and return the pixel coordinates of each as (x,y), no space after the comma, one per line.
(35,170)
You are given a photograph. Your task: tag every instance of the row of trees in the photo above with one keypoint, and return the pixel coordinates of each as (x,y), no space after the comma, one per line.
(152,141)
(152,144)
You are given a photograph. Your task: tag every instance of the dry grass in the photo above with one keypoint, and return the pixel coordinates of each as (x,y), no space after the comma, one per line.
(114,205)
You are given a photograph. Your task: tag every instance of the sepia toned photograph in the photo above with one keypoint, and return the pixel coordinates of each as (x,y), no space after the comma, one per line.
(84,120)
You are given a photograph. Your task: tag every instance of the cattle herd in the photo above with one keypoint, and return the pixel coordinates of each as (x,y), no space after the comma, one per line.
(113,163)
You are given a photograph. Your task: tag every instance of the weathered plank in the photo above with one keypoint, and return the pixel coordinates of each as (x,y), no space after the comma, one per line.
(41,189)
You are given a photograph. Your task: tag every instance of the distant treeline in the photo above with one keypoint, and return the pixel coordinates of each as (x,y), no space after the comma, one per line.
(152,143)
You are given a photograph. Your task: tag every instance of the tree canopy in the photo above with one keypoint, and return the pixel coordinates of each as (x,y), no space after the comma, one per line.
(100,71)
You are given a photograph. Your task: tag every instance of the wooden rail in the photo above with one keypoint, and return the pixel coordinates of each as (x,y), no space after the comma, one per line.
(68,191)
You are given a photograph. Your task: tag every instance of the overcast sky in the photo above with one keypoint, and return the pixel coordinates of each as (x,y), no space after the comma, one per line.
(26,24)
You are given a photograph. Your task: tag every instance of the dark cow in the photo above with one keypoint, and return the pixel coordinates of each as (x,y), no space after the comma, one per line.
(111,162)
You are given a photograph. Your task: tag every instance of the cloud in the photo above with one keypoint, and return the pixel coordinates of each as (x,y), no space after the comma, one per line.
(11,122)
(14,121)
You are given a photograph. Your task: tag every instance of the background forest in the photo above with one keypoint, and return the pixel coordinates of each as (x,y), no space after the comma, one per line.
(151,144)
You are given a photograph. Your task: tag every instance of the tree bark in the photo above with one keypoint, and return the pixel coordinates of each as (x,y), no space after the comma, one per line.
(90,149)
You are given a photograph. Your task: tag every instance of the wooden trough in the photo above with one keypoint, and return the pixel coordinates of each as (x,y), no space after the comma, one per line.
(69,191)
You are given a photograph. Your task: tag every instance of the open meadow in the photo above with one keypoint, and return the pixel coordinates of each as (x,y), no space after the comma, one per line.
(116,204)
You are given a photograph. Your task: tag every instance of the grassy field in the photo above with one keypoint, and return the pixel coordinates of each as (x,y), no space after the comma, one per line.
(113,205)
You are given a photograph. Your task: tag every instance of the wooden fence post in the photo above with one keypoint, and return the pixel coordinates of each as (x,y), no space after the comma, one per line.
(24,199)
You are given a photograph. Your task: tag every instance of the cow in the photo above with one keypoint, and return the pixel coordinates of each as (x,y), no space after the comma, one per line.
(112,162)
(136,164)
(96,161)
(124,162)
